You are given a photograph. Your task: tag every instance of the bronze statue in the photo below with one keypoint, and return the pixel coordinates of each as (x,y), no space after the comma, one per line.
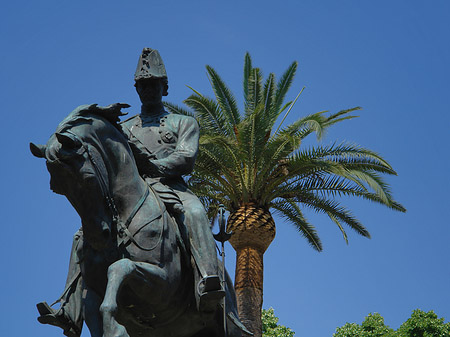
(144,262)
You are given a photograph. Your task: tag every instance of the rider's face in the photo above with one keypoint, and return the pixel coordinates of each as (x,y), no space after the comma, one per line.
(150,91)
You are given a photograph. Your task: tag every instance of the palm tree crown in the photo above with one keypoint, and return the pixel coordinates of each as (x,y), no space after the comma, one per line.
(243,159)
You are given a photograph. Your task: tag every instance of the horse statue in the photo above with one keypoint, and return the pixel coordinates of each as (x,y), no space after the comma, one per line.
(136,263)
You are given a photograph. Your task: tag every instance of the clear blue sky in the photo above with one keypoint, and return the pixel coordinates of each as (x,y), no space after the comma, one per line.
(390,57)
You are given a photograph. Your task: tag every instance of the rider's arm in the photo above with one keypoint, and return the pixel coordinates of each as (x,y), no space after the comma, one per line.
(181,161)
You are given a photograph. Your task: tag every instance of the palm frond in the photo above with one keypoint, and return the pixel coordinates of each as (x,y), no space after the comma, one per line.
(209,115)
(330,186)
(211,164)
(224,97)
(284,84)
(247,70)
(292,213)
(326,206)
(270,114)
(372,181)
(333,119)
(270,170)
(176,109)
(255,91)
(304,126)
(231,168)
(342,152)
(209,195)
(338,223)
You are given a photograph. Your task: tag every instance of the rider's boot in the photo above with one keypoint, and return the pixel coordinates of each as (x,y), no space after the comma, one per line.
(209,290)
(210,293)
(58,318)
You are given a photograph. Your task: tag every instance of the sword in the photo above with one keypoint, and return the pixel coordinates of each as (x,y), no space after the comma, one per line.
(222,237)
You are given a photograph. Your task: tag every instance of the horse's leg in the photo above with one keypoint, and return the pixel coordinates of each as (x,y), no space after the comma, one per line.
(118,273)
(92,317)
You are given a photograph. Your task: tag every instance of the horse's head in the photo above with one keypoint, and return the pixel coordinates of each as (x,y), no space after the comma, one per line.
(77,160)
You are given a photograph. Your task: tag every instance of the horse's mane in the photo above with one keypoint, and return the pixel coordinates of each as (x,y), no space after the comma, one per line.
(86,113)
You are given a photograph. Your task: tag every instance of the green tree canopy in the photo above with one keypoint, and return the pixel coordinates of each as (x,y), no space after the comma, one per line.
(270,326)
(373,326)
(421,324)
(424,324)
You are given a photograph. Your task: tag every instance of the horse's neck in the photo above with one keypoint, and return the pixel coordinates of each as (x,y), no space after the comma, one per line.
(128,193)
(127,187)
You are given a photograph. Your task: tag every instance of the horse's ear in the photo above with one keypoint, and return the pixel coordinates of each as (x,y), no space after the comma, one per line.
(37,150)
(67,140)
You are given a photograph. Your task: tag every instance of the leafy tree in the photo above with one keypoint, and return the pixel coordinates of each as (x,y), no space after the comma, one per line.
(421,324)
(349,330)
(373,326)
(254,165)
(424,324)
(270,327)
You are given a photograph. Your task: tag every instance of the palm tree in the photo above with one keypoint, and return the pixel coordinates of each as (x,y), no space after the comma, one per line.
(255,166)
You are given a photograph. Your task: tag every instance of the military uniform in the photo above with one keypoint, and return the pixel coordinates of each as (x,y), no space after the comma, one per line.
(165,147)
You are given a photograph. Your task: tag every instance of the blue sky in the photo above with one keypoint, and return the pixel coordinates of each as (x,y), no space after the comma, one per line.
(390,57)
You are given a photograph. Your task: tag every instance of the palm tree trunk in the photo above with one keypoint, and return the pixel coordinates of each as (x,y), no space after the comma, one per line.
(249,287)
(253,230)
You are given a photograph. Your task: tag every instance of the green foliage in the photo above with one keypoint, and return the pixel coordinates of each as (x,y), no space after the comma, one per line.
(349,330)
(270,327)
(424,324)
(421,324)
(247,156)
(373,326)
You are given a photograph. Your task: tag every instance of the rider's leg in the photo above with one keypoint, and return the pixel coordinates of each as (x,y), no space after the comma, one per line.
(168,196)
(69,315)
(203,249)
(200,234)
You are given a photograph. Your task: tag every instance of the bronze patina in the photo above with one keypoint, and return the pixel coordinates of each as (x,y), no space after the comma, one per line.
(144,262)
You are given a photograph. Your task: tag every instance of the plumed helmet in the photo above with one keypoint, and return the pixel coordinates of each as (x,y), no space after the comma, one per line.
(150,65)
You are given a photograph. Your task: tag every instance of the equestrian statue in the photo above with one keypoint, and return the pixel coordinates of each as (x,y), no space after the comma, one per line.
(144,262)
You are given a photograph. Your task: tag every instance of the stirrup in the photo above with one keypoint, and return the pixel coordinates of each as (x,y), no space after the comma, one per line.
(209,283)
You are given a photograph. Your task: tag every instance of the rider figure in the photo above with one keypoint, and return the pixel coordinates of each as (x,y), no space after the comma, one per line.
(165,147)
